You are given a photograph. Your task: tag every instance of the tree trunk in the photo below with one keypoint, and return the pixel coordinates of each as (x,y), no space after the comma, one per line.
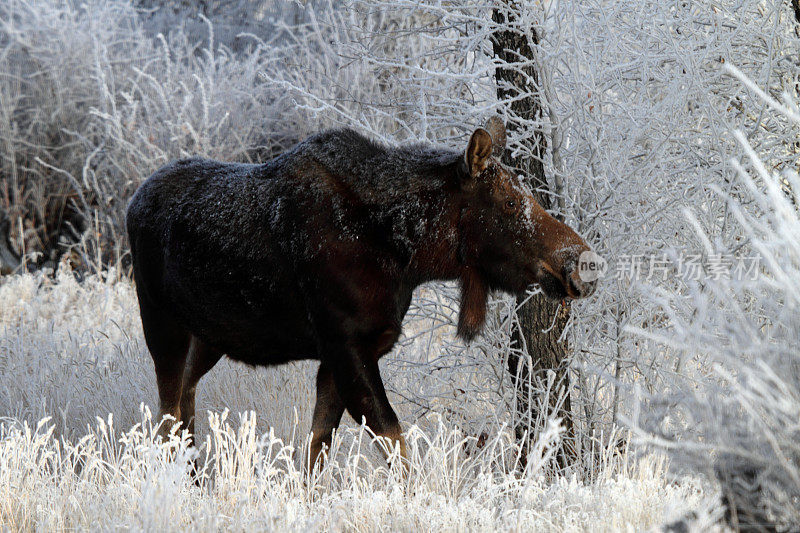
(541,321)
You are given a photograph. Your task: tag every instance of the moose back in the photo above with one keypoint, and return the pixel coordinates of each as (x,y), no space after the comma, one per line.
(315,255)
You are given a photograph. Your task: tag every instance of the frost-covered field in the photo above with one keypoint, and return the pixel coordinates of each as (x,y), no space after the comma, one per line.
(75,353)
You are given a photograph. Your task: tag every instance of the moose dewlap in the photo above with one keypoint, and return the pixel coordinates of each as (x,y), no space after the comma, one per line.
(315,255)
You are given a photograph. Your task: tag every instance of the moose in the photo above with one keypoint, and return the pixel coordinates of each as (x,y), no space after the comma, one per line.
(315,255)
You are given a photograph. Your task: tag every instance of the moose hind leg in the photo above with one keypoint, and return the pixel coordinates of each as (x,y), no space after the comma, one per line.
(168,344)
(328,412)
(200,359)
(360,386)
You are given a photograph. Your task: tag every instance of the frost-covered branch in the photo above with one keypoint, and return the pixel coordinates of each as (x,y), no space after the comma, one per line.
(738,423)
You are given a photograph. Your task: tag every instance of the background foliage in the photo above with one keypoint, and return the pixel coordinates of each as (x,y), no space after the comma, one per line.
(639,111)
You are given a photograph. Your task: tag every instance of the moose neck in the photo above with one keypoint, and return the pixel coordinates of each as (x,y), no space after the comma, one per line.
(435,254)
(438,255)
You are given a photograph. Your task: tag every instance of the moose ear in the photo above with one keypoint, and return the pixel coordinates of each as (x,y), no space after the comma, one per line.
(497,129)
(478,151)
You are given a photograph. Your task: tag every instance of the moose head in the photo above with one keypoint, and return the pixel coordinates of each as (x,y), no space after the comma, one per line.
(508,241)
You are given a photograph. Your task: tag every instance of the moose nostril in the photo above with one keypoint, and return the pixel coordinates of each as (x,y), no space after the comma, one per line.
(575,287)
(579,288)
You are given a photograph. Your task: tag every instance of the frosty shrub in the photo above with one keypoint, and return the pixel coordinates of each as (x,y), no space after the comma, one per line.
(739,422)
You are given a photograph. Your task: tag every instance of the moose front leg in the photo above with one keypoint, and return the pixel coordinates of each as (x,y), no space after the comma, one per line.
(361,389)
(327,413)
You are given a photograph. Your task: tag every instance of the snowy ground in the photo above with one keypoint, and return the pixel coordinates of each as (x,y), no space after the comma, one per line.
(75,353)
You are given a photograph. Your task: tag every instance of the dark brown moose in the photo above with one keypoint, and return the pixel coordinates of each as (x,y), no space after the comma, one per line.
(315,254)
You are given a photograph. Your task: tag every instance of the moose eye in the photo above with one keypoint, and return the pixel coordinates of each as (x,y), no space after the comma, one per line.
(511,204)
